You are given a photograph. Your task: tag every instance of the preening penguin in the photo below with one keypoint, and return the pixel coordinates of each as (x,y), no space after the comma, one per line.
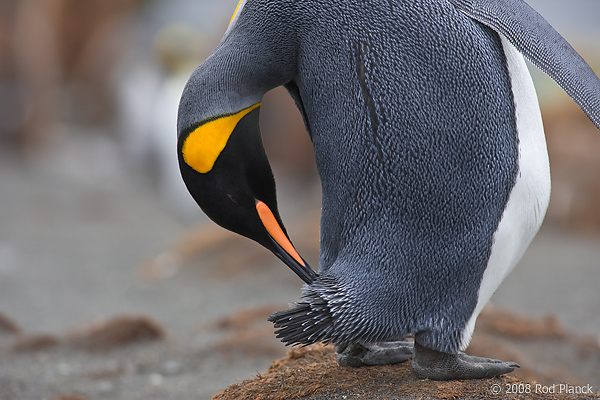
(430,149)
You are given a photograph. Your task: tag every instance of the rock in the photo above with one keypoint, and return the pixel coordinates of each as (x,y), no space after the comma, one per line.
(7,325)
(117,332)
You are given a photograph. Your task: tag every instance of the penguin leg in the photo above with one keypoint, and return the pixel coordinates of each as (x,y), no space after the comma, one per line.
(435,365)
(358,355)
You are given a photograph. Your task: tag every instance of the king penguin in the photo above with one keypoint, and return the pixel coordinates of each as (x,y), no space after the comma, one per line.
(430,148)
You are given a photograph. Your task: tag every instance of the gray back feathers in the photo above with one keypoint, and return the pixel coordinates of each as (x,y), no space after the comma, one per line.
(535,38)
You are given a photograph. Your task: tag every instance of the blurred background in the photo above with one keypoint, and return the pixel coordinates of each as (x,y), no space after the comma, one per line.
(96,222)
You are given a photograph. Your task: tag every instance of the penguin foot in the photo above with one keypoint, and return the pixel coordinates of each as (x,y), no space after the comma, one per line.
(358,355)
(435,365)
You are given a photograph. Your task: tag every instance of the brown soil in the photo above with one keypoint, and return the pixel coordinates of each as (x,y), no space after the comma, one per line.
(312,373)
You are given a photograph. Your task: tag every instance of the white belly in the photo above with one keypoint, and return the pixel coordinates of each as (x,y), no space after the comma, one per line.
(529,198)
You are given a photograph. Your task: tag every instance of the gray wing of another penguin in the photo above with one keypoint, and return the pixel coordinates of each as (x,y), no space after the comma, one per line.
(535,38)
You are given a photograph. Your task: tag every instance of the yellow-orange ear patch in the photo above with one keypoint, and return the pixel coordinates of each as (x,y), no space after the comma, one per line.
(268,219)
(202,147)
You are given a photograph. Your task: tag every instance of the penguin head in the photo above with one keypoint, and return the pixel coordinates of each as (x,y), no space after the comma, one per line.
(226,170)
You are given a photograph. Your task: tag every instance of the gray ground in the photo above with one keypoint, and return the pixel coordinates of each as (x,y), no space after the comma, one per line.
(76,229)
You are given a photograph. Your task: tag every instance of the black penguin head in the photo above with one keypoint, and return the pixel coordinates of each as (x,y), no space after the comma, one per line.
(226,170)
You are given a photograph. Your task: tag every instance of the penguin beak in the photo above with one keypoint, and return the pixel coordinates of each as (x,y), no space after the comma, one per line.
(283,248)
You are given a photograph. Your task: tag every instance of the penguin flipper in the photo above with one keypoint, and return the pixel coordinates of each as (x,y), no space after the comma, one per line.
(537,40)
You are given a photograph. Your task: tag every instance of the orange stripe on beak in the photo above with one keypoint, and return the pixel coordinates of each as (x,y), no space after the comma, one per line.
(270,223)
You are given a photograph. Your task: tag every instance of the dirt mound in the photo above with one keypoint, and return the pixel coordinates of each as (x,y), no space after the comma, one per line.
(312,373)
(548,353)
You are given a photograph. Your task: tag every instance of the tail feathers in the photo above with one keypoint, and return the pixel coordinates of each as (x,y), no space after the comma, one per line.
(305,323)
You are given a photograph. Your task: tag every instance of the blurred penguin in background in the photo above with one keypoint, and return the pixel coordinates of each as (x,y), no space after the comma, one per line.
(179,49)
